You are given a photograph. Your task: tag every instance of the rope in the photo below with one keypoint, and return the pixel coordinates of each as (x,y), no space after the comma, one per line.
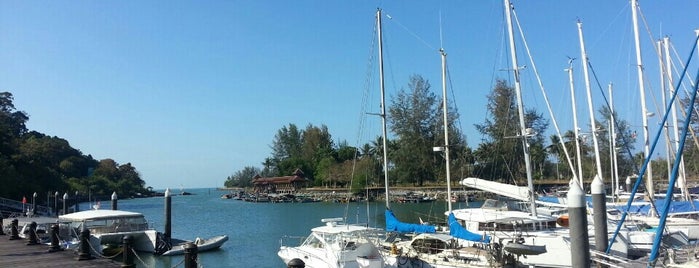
(138,257)
(121,250)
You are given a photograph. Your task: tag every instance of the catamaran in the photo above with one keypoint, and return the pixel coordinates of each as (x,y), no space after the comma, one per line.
(108,227)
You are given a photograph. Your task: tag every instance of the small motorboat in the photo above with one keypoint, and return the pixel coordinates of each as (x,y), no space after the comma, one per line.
(202,245)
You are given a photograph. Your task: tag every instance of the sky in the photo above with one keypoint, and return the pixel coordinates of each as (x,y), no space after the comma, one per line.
(190,92)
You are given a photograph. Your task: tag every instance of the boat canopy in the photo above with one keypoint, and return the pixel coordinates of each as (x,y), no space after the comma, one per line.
(394,225)
(458,231)
(98,215)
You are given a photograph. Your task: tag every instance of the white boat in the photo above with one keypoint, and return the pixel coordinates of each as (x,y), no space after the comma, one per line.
(108,227)
(336,245)
(202,245)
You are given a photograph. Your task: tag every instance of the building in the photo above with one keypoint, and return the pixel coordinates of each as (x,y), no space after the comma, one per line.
(280,185)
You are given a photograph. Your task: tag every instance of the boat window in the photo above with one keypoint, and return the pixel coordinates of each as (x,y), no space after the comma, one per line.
(491,204)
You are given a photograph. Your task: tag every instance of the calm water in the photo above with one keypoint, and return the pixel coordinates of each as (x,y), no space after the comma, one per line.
(255,229)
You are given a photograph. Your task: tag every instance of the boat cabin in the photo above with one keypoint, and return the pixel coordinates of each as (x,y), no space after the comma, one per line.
(106,221)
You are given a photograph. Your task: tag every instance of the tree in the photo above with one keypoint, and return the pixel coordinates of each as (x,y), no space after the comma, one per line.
(500,154)
(242,178)
(416,120)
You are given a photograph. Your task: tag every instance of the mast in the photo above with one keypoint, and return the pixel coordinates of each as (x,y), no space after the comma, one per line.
(593,124)
(666,127)
(612,127)
(681,183)
(524,132)
(575,122)
(639,65)
(383,106)
(446,124)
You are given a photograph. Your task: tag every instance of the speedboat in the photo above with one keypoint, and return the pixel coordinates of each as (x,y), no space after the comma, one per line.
(108,227)
(336,245)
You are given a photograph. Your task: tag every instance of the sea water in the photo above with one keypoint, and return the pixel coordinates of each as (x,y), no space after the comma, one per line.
(255,229)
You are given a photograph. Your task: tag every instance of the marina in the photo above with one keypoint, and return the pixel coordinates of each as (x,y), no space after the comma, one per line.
(317,201)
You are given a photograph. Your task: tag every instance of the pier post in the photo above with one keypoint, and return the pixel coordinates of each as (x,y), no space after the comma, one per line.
(65,199)
(55,203)
(33,240)
(54,239)
(168,216)
(2,225)
(599,204)
(579,239)
(296,263)
(14,232)
(84,250)
(114,201)
(629,186)
(190,255)
(77,202)
(127,253)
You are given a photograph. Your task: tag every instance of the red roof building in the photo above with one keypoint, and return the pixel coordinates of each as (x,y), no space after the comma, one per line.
(285,184)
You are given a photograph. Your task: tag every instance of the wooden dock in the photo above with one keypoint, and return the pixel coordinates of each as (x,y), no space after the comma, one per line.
(16,253)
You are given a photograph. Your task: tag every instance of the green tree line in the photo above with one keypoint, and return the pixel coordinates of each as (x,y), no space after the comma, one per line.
(31,161)
(416,126)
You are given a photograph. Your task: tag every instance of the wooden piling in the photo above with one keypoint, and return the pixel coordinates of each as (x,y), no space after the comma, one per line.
(190,255)
(579,239)
(114,201)
(599,204)
(127,253)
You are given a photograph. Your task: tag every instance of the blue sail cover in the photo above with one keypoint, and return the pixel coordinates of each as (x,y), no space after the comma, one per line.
(675,207)
(458,231)
(394,225)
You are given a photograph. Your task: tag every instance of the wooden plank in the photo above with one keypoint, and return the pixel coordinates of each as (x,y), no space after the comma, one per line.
(16,253)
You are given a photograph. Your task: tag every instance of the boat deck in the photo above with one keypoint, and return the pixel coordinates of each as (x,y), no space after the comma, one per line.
(15,253)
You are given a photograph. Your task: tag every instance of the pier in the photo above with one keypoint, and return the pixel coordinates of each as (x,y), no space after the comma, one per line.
(16,253)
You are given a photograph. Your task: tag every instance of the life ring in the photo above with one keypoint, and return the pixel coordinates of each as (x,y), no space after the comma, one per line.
(562,221)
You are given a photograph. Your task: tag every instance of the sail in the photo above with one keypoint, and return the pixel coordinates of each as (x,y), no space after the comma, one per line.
(394,225)
(512,191)
(458,231)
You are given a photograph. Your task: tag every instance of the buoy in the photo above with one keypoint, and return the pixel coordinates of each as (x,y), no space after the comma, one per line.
(562,221)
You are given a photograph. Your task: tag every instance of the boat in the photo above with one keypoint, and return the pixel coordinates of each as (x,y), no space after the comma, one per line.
(541,239)
(202,245)
(336,245)
(108,227)
(422,245)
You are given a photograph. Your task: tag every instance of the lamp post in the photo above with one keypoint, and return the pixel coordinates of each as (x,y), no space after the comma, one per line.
(34,203)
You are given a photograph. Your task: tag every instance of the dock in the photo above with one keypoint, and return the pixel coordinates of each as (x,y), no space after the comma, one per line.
(16,253)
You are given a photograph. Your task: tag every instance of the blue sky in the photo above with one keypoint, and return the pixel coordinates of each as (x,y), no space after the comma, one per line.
(190,92)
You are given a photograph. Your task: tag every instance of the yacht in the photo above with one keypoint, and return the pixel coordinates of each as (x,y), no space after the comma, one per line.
(336,245)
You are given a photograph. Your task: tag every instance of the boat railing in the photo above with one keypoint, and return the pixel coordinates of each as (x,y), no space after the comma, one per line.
(613,261)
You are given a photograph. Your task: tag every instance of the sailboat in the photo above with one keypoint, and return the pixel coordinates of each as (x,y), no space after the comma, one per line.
(542,239)
(428,246)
